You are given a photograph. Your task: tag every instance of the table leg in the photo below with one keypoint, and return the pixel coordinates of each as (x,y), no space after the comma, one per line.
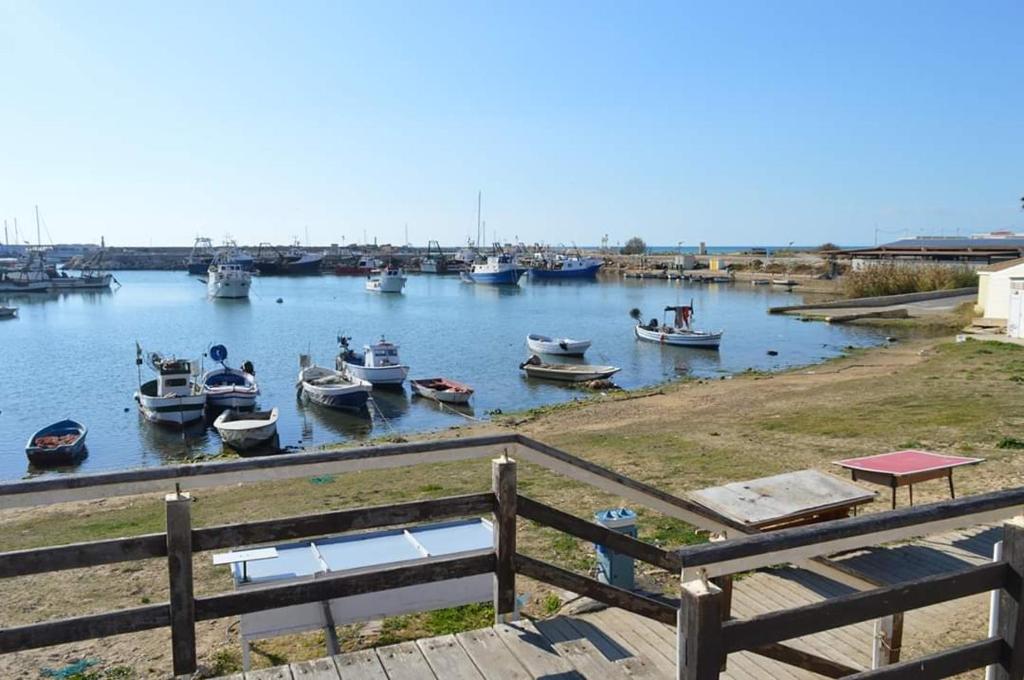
(894,496)
(911,486)
(952,493)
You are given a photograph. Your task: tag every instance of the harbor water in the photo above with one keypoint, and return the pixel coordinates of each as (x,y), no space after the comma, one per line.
(73,355)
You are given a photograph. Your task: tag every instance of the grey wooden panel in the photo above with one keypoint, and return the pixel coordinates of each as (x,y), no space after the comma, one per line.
(534,651)
(448,659)
(404,661)
(578,651)
(623,634)
(275,673)
(491,656)
(361,665)
(315,669)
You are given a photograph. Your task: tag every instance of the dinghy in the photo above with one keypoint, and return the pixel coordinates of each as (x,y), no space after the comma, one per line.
(677,333)
(229,387)
(442,389)
(332,388)
(243,431)
(536,368)
(62,443)
(542,344)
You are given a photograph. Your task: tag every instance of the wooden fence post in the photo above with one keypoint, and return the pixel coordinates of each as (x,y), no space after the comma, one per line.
(699,631)
(503,483)
(1011,602)
(179,570)
(885,649)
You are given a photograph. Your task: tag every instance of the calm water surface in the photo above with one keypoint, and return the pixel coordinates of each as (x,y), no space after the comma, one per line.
(74,355)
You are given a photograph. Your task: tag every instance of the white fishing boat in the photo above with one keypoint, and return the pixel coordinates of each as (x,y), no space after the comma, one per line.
(442,389)
(229,387)
(542,344)
(8,312)
(174,398)
(243,431)
(677,332)
(387,280)
(331,388)
(535,367)
(378,363)
(228,280)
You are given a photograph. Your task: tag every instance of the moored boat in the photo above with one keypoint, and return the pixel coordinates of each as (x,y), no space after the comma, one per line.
(243,431)
(535,367)
(435,261)
(7,312)
(542,344)
(387,280)
(228,281)
(226,387)
(442,389)
(173,398)
(62,443)
(678,332)
(272,261)
(331,388)
(378,363)
(784,282)
(498,270)
(558,266)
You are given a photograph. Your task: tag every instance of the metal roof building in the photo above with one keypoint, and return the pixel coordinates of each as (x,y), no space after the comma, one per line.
(974,252)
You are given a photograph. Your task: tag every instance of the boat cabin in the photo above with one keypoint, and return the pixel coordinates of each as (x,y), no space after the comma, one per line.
(174,378)
(382,354)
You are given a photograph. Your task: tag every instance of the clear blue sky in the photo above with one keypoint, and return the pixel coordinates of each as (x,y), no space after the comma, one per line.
(732,123)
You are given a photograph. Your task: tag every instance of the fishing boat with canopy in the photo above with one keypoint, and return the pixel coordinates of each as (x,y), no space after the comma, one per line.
(677,331)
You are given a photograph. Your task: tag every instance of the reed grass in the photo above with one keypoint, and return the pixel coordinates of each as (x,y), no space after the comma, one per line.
(890,278)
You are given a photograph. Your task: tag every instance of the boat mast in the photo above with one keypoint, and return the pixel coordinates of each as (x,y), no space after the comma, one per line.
(39,239)
(479,198)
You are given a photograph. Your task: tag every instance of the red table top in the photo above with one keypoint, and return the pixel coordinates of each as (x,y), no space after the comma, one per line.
(910,462)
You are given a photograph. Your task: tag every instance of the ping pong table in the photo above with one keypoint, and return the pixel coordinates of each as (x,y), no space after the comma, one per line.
(905,468)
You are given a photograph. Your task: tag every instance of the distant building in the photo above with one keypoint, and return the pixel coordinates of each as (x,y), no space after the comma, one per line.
(970,252)
(994,284)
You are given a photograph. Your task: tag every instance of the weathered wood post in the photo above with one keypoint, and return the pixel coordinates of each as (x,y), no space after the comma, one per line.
(179,570)
(885,649)
(699,631)
(1011,602)
(503,483)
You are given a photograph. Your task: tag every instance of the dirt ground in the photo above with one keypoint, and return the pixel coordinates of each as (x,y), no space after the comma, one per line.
(964,398)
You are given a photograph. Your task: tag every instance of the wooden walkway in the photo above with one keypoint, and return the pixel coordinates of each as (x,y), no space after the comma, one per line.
(614,644)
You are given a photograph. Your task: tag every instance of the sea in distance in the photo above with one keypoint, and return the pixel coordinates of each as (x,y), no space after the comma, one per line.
(73,355)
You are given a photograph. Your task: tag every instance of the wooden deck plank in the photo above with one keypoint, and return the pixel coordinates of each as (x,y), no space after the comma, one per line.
(636,666)
(448,659)
(361,665)
(534,651)
(316,669)
(578,650)
(491,656)
(276,673)
(404,661)
(622,633)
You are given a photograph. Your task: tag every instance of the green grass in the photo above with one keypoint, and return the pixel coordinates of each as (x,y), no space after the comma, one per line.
(551,604)
(1010,443)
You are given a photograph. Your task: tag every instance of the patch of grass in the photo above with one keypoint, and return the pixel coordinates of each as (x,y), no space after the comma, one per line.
(392,629)
(667,532)
(431,488)
(551,604)
(889,278)
(1010,443)
(458,619)
(226,661)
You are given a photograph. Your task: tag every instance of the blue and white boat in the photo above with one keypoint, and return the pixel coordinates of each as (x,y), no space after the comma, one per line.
(229,387)
(331,388)
(62,443)
(378,363)
(565,267)
(498,270)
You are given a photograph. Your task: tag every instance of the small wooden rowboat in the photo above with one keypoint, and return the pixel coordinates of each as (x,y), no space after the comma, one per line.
(62,443)
(536,368)
(542,344)
(442,389)
(242,431)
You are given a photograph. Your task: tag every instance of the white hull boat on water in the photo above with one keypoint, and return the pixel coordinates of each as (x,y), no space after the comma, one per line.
(542,344)
(388,280)
(229,387)
(243,431)
(331,388)
(226,280)
(536,368)
(378,364)
(173,398)
(678,333)
(442,390)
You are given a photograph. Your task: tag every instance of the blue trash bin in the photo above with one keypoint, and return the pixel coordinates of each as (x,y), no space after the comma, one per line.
(612,567)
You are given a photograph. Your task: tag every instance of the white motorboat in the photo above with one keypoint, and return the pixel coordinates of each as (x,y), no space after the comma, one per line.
(243,431)
(228,280)
(331,388)
(536,368)
(8,312)
(173,398)
(229,387)
(678,332)
(542,344)
(378,364)
(443,390)
(387,280)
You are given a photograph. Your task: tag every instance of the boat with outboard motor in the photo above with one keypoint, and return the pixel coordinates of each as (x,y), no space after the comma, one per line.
(378,363)
(542,344)
(226,387)
(331,388)
(174,397)
(678,332)
(62,443)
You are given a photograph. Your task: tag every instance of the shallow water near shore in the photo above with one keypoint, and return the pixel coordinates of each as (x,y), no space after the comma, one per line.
(74,355)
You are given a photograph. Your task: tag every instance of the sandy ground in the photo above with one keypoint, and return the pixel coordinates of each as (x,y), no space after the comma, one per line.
(689,436)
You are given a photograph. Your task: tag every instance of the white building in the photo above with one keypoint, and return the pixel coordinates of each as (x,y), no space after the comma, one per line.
(994,288)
